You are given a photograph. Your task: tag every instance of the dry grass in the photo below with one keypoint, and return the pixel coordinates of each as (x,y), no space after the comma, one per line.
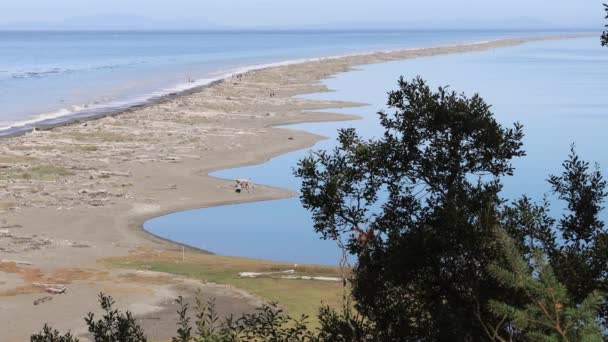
(16,159)
(100,136)
(79,148)
(115,123)
(67,148)
(33,148)
(296,296)
(41,172)
(147,279)
(30,275)
(194,120)
(5,205)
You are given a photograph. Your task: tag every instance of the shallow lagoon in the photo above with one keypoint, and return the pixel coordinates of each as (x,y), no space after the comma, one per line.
(555,88)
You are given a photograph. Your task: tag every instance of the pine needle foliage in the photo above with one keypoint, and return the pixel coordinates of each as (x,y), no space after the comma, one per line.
(550,313)
(605,34)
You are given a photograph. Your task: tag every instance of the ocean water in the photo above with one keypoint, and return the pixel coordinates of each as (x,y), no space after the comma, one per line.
(556,89)
(48,77)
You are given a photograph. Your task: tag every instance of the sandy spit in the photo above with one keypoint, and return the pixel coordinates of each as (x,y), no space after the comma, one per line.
(74,194)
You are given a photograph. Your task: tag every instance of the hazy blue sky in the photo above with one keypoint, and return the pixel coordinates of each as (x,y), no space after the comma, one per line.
(302,13)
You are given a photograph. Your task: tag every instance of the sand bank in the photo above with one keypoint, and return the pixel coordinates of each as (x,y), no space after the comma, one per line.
(74,194)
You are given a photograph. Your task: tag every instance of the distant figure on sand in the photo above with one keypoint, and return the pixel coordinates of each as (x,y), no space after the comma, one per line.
(243,184)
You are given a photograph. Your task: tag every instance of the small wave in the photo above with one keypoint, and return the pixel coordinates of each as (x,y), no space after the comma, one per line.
(104,107)
(41,117)
(41,73)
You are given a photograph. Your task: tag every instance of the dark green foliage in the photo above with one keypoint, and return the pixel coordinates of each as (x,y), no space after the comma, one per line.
(51,335)
(549,314)
(184,331)
(268,323)
(343,326)
(576,245)
(417,208)
(583,190)
(529,224)
(114,326)
(581,260)
(207,323)
(605,34)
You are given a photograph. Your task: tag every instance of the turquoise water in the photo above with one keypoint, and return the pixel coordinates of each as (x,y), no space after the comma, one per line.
(555,88)
(47,77)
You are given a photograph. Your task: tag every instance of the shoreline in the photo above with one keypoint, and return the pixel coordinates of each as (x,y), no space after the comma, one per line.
(40,122)
(98,181)
(286,126)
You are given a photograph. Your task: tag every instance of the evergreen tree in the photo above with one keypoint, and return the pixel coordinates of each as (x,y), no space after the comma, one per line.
(605,34)
(550,313)
(576,245)
(581,260)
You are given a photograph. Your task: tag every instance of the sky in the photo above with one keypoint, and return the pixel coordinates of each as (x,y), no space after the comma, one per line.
(300,14)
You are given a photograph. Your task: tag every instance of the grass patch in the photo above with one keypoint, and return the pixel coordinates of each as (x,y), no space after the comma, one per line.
(41,172)
(115,123)
(296,296)
(67,148)
(79,148)
(5,205)
(194,120)
(33,147)
(100,136)
(16,159)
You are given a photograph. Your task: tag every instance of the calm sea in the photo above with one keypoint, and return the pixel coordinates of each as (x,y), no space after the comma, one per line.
(46,77)
(555,88)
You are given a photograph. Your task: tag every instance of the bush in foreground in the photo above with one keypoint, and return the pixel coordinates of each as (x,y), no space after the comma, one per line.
(549,313)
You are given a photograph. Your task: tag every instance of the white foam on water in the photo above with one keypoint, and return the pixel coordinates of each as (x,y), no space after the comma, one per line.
(112,106)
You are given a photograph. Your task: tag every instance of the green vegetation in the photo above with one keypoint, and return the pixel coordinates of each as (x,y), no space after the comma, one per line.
(83,148)
(268,323)
(549,313)
(40,172)
(7,204)
(68,148)
(9,159)
(114,326)
(298,297)
(605,34)
(32,170)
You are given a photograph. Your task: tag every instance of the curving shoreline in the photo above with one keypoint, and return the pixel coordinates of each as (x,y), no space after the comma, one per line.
(93,184)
